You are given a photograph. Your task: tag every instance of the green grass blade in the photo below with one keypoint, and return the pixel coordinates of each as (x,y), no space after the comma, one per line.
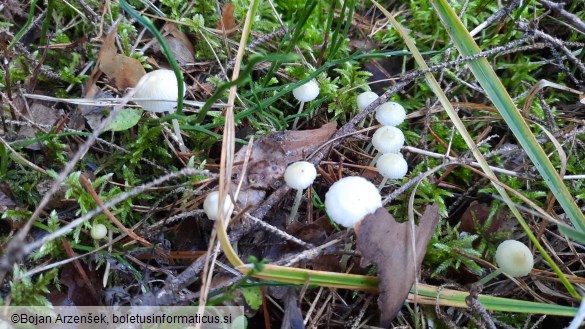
(493,87)
(447,297)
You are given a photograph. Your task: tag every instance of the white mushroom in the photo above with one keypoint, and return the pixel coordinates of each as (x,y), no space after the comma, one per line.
(388,139)
(211,205)
(299,176)
(98,231)
(391,166)
(350,199)
(366,98)
(305,93)
(390,114)
(162,88)
(514,258)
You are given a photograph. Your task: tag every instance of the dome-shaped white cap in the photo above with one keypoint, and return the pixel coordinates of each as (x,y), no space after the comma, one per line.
(392,165)
(98,231)
(211,205)
(160,84)
(366,98)
(514,258)
(306,92)
(350,199)
(390,114)
(388,139)
(300,175)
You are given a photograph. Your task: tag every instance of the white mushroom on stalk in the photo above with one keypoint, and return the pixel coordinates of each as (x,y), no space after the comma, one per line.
(387,139)
(350,199)
(390,114)
(513,258)
(157,91)
(366,98)
(391,166)
(299,175)
(211,205)
(305,93)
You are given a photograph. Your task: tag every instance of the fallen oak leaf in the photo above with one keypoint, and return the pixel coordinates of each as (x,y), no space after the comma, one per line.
(123,70)
(384,241)
(227,22)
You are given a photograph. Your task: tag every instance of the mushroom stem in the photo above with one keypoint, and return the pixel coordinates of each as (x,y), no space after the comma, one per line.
(382,184)
(295,207)
(297,118)
(488,277)
(178,136)
(375,159)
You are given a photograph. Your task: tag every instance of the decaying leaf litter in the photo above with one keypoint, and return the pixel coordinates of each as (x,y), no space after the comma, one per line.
(329,140)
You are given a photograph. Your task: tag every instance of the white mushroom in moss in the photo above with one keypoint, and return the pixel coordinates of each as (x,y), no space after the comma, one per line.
(98,231)
(390,114)
(366,98)
(211,205)
(350,199)
(391,166)
(157,91)
(513,258)
(299,176)
(363,101)
(387,139)
(305,93)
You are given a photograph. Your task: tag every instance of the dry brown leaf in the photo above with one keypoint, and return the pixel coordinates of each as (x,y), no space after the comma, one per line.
(477,214)
(387,243)
(6,201)
(42,115)
(227,21)
(123,70)
(272,153)
(182,53)
(179,43)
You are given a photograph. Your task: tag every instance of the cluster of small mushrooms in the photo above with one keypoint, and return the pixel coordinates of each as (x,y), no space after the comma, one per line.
(348,200)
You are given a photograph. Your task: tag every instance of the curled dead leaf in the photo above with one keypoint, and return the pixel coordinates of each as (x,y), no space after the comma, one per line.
(227,21)
(387,243)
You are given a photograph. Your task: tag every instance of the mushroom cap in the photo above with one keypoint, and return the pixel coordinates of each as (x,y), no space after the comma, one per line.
(390,114)
(350,199)
(388,139)
(159,84)
(392,165)
(300,175)
(306,92)
(98,231)
(366,98)
(514,258)
(211,205)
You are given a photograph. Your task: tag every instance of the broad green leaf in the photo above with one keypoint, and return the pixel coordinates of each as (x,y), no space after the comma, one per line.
(126,119)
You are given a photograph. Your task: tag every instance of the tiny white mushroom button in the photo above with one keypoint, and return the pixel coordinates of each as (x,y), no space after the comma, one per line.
(390,114)
(514,258)
(211,205)
(366,98)
(388,139)
(307,92)
(162,87)
(299,176)
(99,231)
(350,199)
